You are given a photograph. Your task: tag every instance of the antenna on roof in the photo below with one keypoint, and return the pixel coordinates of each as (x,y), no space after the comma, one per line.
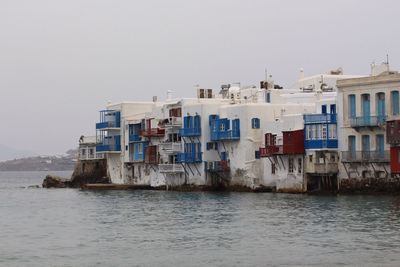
(387,59)
(266,74)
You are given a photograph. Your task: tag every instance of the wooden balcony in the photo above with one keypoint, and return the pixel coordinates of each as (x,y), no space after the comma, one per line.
(153,132)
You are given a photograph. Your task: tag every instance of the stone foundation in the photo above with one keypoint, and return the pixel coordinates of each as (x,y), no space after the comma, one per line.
(370,186)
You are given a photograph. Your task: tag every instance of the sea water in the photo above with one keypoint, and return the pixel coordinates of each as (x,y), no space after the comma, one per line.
(72,227)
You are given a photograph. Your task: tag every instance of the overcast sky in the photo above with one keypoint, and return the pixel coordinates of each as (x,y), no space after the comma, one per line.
(61,61)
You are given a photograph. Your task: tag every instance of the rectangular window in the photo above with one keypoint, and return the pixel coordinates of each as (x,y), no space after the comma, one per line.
(310,158)
(333,108)
(324,131)
(255,123)
(365,143)
(314,132)
(323,109)
(352,143)
(309,132)
(395,103)
(352,106)
(291,165)
(332,131)
(268,97)
(380,143)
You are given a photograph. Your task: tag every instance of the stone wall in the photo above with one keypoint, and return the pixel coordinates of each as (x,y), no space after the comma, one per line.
(370,186)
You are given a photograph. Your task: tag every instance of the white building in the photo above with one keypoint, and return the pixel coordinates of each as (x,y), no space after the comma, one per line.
(366,103)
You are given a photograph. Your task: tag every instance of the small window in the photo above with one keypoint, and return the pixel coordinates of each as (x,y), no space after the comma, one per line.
(273,168)
(255,123)
(291,165)
(257,154)
(299,165)
(310,158)
(268,97)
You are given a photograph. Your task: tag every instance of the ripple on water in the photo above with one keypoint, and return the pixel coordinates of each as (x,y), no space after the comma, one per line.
(151,228)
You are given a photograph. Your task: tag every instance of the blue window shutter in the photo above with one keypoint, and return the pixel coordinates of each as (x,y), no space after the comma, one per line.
(352,106)
(333,109)
(395,102)
(323,109)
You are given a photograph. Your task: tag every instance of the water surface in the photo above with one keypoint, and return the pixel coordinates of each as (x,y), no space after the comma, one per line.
(69,227)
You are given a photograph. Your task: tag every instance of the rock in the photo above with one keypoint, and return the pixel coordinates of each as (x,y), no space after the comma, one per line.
(52,181)
(90,172)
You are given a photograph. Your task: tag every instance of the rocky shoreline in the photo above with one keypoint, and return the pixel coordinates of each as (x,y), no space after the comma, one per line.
(93,175)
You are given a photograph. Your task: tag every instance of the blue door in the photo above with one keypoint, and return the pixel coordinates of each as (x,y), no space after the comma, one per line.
(323,109)
(365,147)
(395,102)
(333,109)
(352,106)
(380,145)
(381,107)
(366,109)
(352,143)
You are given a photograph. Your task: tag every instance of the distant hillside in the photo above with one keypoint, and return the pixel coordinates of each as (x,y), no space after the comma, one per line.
(41,163)
(7,153)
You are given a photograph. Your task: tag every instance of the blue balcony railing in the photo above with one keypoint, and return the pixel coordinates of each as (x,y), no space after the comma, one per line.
(320,118)
(368,121)
(108,148)
(190,132)
(189,157)
(320,144)
(107,124)
(109,119)
(225,135)
(134,138)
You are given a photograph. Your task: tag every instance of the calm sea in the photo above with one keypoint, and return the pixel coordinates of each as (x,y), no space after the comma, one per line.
(69,227)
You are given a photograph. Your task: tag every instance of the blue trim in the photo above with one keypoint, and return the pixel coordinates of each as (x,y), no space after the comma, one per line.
(109,143)
(108,148)
(189,157)
(317,144)
(220,129)
(191,126)
(320,118)
(134,138)
(109,119)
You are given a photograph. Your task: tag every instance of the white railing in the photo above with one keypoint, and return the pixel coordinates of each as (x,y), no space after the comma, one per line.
(170,168)
(89,140)
(174,122)
(171,147)
(89,153)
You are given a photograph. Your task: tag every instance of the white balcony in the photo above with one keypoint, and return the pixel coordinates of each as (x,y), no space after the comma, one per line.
(171,168)
(89,153)
(174,122)
(170,147)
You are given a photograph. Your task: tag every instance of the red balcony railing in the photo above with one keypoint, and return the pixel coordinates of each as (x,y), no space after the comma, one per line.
(153,132)
(269,151)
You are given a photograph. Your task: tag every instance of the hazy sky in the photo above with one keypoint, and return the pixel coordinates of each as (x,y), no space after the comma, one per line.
(61,61)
